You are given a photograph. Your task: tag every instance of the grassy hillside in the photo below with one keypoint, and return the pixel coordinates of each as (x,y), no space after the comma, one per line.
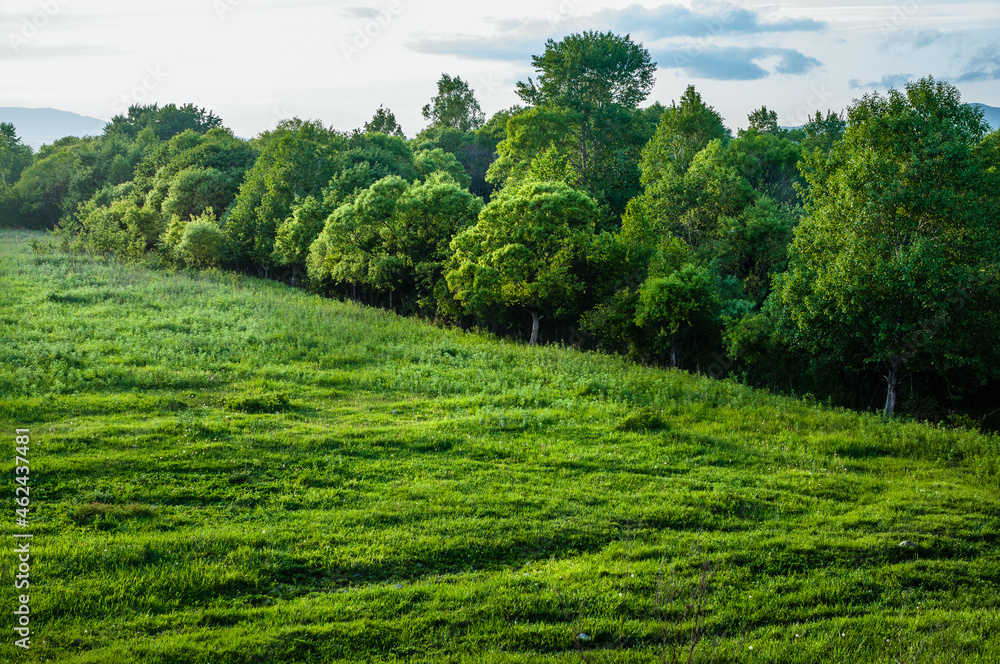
(228,470)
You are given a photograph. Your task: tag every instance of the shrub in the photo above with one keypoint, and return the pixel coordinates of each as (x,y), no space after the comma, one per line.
(202,243)
(121,228)
(196,190)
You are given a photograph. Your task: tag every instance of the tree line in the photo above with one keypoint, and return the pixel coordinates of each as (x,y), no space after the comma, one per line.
(856,258)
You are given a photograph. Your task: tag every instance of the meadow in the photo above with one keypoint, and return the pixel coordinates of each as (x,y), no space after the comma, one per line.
(226,469)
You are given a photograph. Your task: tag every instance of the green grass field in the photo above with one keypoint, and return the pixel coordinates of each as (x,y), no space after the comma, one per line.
(224,469)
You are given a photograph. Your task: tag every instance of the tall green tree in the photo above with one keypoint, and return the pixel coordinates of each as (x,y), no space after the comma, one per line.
(527,250)
(364,160)
(592,84)
(15,156)
(384,122)
(195,189)
(685,129)
(898,261)
(165,122)
(454,106)
(393,238)
(769,162)
(44,186)
(217,150)
(682,303)
(763,121)
(590,72)
(687,204)
(529,134)
(823,131)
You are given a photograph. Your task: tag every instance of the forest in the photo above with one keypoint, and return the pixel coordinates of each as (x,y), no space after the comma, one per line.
(853,260)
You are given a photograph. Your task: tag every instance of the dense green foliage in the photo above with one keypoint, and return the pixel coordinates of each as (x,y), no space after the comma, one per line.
(14,155)
(527,251)
(454,106)
(164,123)
(853,258)
(896,266)
(585,104)
(224,470)
(393,238)
(384,122)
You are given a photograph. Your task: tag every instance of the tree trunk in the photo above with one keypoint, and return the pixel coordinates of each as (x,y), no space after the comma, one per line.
(673,351)
(535,320)
(892,382)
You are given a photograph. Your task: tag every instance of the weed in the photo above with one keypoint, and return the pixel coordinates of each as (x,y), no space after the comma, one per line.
(683,610)
(642,419)
(266,402)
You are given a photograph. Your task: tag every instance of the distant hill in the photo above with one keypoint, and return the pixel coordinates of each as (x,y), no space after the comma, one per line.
(38,126)
(992,115)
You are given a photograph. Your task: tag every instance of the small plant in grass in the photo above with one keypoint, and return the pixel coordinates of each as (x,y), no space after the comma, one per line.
(588,389)
(260,402)
(683,611)
(643,419)
(105,513)
(41,250)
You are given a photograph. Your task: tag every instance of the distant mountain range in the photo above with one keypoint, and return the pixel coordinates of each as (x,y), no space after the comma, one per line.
(992,115)
(38,126)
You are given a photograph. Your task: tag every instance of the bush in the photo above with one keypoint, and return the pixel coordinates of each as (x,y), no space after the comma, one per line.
(121,228)
(202,243)
(171,238)
(196,190)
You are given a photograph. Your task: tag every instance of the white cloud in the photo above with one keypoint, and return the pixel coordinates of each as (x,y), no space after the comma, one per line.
(265,56)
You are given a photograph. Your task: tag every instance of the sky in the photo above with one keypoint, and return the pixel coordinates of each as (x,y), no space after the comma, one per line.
(257,62)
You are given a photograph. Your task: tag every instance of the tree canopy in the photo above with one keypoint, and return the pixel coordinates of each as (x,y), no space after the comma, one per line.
(527,250)
(590,72)
(454,106)
(898,256)
(15,156)
(384,122)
